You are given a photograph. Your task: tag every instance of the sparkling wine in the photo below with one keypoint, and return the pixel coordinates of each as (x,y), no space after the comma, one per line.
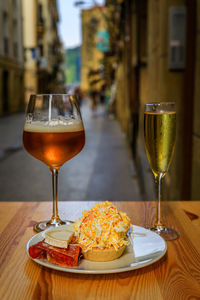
(160,135)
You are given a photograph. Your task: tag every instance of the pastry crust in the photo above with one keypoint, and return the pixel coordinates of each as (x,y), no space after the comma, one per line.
(107,254)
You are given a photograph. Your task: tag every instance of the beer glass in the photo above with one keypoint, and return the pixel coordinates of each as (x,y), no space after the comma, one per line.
(53,133)
(160,135)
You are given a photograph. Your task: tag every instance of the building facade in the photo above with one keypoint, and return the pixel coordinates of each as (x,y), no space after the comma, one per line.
(29,9)
(43,49)
(51,54)
(156,47)
(92,56)
(11,57)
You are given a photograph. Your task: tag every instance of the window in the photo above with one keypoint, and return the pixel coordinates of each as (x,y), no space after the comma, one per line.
(6,45)
(15,44)
(15,49)
(41,50)
(40,14)
(5,33)
(14,2)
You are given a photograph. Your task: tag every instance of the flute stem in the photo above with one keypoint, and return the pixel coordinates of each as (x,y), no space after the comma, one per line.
(158,224)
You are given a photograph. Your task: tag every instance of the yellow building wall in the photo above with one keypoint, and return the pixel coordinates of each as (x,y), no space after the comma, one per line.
(91,57)
(29,12)
(159,84)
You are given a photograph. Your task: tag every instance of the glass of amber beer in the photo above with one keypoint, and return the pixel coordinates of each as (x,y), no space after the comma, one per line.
(53,133)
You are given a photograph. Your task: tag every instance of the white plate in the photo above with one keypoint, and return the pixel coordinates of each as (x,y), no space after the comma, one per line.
(146,247)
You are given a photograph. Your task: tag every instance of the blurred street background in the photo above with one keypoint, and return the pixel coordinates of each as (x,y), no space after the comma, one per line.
(103,170)
(115,55)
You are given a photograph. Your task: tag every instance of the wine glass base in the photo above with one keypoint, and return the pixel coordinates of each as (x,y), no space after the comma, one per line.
(168,234)
(41,226)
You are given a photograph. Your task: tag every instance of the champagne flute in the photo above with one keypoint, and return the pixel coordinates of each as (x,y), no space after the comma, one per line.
(53,133)
(160,135)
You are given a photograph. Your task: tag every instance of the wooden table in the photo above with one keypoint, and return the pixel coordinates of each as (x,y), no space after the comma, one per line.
(175,276)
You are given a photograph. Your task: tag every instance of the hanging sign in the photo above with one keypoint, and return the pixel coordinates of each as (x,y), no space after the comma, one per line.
(103,41)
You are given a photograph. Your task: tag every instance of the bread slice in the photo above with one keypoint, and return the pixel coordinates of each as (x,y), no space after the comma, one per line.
(106,254)
(59,238)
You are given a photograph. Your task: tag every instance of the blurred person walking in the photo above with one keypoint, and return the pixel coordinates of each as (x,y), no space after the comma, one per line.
(94,97)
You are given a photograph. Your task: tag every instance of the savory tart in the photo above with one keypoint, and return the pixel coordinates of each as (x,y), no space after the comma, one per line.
(101,232)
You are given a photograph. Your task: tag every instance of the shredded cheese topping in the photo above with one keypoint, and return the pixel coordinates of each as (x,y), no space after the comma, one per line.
(102,226)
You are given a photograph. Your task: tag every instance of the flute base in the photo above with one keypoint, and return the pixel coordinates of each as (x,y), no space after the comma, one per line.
(41,226)
(168,234)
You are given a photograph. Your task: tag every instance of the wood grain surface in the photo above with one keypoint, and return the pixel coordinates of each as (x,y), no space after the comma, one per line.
(175,276)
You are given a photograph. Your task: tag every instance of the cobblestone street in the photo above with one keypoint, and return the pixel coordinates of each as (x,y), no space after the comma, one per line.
(102,171)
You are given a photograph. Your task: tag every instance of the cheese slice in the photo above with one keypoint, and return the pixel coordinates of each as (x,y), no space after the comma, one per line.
(59,238)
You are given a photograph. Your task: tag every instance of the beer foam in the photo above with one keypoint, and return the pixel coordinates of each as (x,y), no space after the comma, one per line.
(54,126)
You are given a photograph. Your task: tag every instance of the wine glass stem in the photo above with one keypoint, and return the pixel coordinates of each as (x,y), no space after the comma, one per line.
(55,220)
(158,180)
(54,174)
